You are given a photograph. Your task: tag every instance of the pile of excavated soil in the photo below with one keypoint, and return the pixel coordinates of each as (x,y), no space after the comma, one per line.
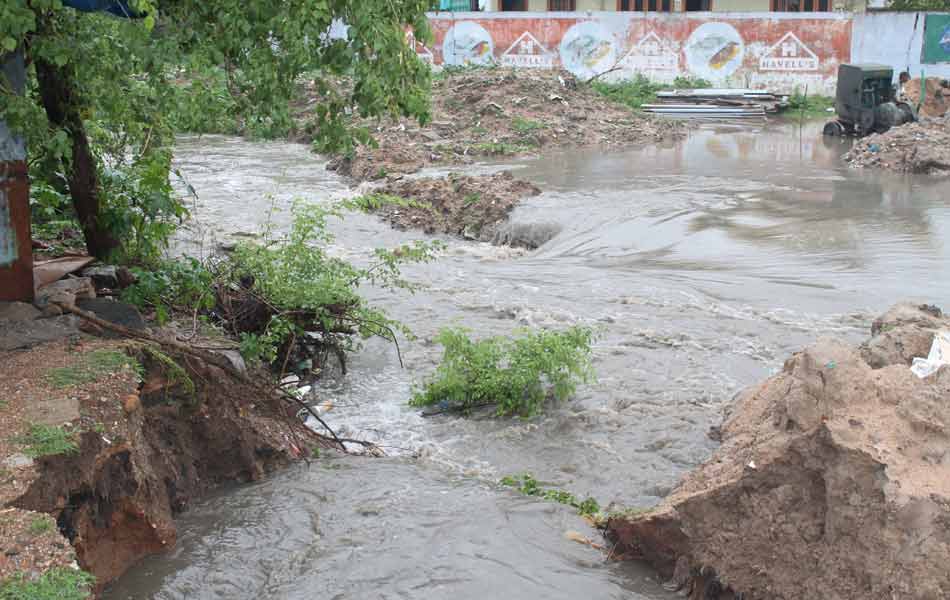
(922,147)
(832,481)
(490,112)
(472,207)
(936,96)
(149,441)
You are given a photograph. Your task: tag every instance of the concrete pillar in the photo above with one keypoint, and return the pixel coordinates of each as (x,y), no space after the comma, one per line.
(16,246)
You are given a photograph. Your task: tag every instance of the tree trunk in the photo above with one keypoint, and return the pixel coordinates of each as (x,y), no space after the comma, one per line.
(57,90)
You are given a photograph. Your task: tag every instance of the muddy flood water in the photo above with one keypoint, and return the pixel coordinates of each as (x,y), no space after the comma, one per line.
(706,263)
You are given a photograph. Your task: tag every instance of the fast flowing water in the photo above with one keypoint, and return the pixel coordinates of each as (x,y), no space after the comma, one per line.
(705,263)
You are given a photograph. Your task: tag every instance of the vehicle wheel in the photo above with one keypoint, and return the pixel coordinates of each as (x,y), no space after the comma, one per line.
(833,128)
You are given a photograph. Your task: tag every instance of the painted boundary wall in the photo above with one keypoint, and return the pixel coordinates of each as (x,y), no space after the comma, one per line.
(780,51)
(898,40)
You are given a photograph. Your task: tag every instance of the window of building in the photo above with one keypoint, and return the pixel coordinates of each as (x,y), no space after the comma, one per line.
(562,5)
(514,5)
(697,5)
(645,5)
(801,5)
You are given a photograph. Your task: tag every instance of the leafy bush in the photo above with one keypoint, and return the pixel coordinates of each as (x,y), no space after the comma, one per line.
(307,290)
(184,283)
(55,584)
(514,374)
(813,104)
(529,486)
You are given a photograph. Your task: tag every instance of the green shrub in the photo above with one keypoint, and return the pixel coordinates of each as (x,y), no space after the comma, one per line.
(640,90)
(529,486)
(811,105)
(515,375)
(525,126)
(55,584)
(308,290)
(183,283)
(41,525)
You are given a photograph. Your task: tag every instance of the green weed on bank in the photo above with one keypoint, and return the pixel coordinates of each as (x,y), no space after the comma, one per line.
(56,584)
(529,486)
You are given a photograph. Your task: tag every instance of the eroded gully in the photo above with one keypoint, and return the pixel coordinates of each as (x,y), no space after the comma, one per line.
(705,263)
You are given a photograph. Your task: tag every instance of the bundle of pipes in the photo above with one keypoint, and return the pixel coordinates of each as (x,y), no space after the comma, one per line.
(717,103)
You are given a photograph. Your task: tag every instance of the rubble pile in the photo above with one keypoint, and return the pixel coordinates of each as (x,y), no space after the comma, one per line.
(922,147)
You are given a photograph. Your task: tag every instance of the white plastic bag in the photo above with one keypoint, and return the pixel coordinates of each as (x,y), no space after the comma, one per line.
(939,356)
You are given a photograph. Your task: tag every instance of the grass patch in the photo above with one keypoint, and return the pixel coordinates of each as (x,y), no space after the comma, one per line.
(529,486)
(525,126)
(812,105)
(55,584)
(640,90)
(498,148)
(372,202)
(471,199)
(41,525)
(516,375)
(45,440)
(91,367)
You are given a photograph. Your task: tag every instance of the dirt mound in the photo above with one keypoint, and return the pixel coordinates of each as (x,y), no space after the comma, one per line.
(832,481)
(468,206)
(922,147)
(936,96)
(498,112)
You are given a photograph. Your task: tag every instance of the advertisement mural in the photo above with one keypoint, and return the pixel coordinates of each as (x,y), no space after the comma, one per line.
(780,51)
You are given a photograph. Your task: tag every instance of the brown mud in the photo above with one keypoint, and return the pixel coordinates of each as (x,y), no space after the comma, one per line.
(472,207)
(832,481)
(150,441)
(918,148)
(498,112)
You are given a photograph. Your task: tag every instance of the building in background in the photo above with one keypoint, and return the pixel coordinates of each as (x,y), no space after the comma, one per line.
(672,6)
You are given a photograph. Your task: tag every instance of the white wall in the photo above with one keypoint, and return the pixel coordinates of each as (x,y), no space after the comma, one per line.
(893,39)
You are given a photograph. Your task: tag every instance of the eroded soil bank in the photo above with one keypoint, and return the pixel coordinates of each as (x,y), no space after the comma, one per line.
(832,480)
(136,440)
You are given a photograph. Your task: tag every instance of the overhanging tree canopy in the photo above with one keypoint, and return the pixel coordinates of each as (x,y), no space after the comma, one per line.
(101,89)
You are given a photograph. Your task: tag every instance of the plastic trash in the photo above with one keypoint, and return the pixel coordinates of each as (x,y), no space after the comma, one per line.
(874,148)
(938,357)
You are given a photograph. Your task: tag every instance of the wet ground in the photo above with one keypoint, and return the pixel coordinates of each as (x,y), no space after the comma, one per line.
(705,264)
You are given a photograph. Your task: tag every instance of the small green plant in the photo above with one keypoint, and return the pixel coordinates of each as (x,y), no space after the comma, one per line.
(811,105)
(46,440)
(640,90)
(91,367)
(515,375)
(690,83)
(181,284)
(41,525)
(315,452)
(525,126)
(529,486)
(56,584)
(173,371)
(471,199)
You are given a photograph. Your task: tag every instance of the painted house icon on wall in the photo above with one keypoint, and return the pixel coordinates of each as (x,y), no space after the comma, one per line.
(527,51)
(651,54)
(789,54)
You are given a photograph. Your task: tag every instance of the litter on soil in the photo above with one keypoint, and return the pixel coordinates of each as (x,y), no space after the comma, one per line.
(922,147)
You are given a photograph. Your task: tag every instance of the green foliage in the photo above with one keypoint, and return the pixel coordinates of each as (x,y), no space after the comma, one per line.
(640,90)
(41,525)
(471,199)
(525,126)
(173,371)
(92,366)
(184,283)
(919,5)
(313,291)
(203,65)
(811,105)
(46,440)
(529,486)
(514,374)
(56,584)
